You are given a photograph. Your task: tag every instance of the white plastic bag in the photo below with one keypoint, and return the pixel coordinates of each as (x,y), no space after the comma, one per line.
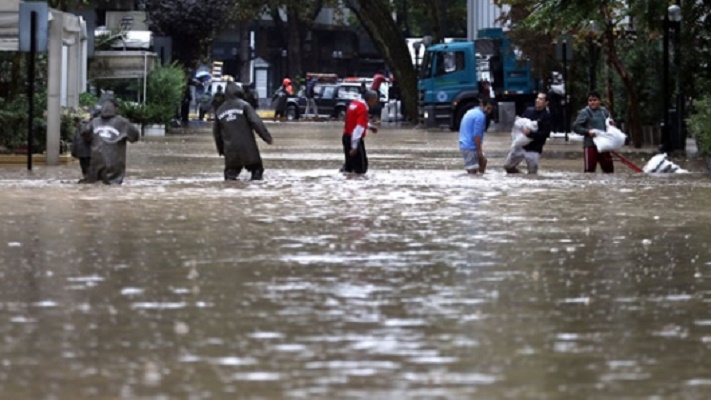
(609,140)
(659,164)
(518,139)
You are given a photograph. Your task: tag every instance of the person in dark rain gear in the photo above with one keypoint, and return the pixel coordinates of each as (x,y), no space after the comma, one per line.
(250,95)
(218,98)
(185,106)
(107,135)
(234,127)
(81,149)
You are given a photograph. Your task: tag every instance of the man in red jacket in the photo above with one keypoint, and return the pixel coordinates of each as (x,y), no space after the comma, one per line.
(354,132)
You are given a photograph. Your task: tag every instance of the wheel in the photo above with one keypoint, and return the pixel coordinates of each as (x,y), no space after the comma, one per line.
(459,114)
(292,113)
(341,113)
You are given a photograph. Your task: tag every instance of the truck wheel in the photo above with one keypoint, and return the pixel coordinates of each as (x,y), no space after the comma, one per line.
(341,113)
(292,113)
(459,114)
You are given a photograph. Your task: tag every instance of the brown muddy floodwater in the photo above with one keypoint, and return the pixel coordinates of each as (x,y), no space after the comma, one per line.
(415,282)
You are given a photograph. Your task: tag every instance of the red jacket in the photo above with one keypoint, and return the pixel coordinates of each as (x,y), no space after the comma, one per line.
(356,121)
(378,80)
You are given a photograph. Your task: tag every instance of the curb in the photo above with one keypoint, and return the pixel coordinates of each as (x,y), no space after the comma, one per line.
(16,159)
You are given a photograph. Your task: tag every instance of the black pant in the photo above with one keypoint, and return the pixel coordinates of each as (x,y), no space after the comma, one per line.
(257,171)
(185,111)
(84,163)
(357,163)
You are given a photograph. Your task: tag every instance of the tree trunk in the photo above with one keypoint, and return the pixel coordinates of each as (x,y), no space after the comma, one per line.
(245,53)
(375,17)
(293,56)
(633,127)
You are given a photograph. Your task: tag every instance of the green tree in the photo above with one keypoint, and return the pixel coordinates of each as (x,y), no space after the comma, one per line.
(192,24)
(438,18)
(300,15)
(376,17)
(64,5)
(551,18)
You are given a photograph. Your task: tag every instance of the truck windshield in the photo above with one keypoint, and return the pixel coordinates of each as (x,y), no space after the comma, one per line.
(426,66)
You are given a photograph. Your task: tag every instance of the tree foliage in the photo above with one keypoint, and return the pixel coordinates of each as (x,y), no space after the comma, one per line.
(192,24)
(629,39)
(299,17)
(376,17)
(576,18)
(413,18)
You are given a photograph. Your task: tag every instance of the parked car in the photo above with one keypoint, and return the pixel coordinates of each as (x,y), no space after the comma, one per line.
(250,94)
(332,100)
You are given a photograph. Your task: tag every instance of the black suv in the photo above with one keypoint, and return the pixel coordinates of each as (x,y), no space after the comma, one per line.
(332,100)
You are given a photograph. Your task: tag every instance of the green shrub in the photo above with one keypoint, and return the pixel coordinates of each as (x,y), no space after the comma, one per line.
(87,100)
(699,123)
(134,112)
(164,92)
(13,123)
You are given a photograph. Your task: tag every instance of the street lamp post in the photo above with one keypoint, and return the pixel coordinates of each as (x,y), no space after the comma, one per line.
(666,134)
(678,143)
(592,71)
(671,133)
(284,63)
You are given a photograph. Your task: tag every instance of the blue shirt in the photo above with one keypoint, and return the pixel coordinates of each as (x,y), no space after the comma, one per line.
(473,125)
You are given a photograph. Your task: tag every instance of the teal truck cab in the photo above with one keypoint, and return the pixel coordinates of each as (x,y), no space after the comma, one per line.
(455,76)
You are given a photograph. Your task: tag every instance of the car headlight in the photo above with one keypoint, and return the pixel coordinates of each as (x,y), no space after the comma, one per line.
(426,114)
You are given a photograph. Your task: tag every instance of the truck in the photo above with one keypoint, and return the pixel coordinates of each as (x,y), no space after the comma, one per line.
(455,76)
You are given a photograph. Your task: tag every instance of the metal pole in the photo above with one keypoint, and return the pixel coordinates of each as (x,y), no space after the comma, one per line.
(31,87)
(145,74)
(565,83)
(680,142)
(591,55)
(666,137)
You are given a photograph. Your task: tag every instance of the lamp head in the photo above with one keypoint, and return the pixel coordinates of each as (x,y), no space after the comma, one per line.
(593,26)
(674,13)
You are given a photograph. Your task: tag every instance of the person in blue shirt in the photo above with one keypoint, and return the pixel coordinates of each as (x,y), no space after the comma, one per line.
(471,137)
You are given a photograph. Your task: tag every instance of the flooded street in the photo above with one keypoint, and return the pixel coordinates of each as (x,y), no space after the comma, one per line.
(414,282)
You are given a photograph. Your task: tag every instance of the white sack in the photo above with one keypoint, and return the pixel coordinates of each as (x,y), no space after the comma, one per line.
(659,164)
(610,139)
(518,139)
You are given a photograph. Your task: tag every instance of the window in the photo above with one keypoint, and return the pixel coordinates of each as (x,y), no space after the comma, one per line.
(449,62)
(349,92)
(329,92)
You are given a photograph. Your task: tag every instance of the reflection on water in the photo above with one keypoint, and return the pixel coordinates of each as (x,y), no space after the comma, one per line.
(412,283)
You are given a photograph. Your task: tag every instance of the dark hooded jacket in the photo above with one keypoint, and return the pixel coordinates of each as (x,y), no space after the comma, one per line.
(107,135)
(234,127)
(80,147)
(543,117)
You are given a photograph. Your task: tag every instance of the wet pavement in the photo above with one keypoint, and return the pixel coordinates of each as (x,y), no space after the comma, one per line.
(414,282)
